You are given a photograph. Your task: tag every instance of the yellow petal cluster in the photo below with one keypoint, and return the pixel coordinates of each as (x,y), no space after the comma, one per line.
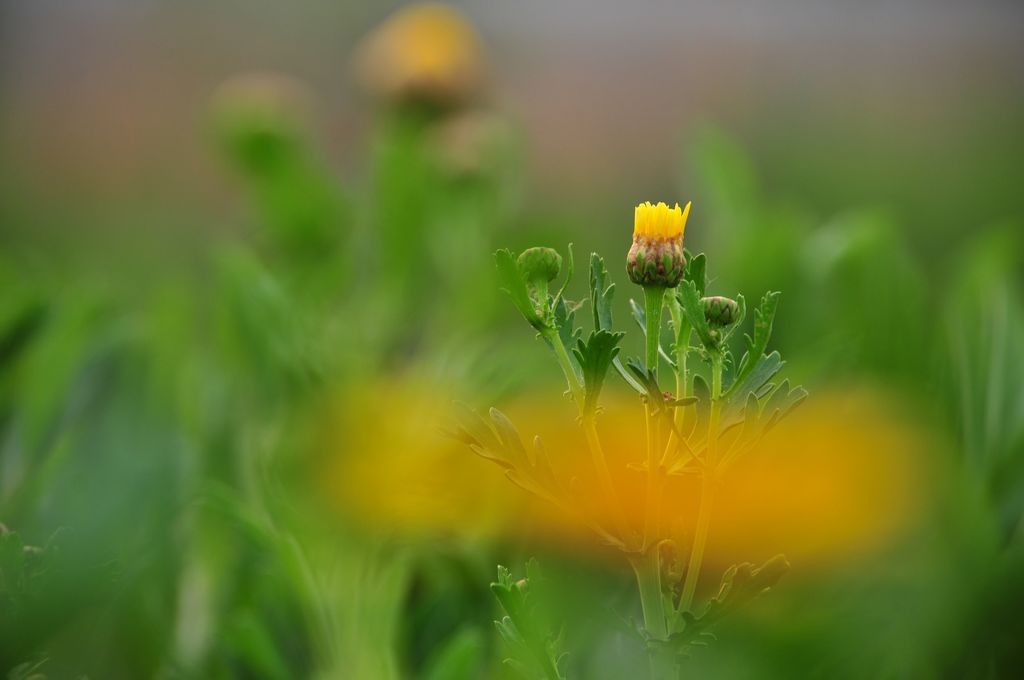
(659,221)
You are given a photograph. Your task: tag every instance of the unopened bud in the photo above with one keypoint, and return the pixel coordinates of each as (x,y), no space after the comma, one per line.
(720,311)
(539,265)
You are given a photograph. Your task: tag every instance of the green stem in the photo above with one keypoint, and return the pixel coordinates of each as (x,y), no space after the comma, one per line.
(700,540)
(575,386)
(716,405)
(589,425)
(707,494)
(605,477)
(654,300)
(682,329)
(648,580)
(682,343)
(646,566)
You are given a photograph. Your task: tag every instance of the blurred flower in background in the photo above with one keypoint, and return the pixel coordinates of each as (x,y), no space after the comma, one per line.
(427,52)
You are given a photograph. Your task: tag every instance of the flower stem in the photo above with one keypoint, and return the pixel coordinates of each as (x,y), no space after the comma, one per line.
(707,493)
(654,300)
(647,565)
(589,425)
(648,580)
(575,386)
(700,540)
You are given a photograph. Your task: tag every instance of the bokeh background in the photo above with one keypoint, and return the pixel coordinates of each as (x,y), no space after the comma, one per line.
(245,268)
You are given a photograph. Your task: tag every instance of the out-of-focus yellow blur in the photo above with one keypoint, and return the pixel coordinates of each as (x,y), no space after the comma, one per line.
(841,477)
(426,50)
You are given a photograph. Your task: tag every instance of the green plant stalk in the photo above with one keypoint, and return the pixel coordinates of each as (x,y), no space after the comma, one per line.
(575,386)
(682,327)
(588,422)
(707,492)
(682,342)
(654,300)
(648,578)
(647,566)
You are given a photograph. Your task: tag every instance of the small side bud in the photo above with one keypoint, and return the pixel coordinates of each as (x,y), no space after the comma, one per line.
(539,265)
(720,312)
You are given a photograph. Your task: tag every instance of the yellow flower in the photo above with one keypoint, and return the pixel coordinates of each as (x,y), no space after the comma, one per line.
(659,221)
(656,257)
(424,51)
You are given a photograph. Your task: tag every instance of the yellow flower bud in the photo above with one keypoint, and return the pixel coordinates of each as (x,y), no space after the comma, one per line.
(656,256)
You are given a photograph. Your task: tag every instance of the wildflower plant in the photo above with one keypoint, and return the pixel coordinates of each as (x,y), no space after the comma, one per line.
(696,427)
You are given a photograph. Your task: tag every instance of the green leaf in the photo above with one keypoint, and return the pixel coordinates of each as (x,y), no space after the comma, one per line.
(689,300)
(460,658)
(565,322)
(513,283)
(509,436)
(740,584)
(696,272)
(601,293)
(525,628)
(766,367)
(764,317)
(595,357)
(781,402)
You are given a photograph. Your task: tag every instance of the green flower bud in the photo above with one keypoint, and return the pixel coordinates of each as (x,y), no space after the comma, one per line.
(720,311)
(540,266)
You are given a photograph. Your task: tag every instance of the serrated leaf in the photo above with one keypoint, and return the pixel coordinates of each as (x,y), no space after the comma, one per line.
(536,652)
(565,322)
(646,378)
(781,402)
(601,293)
(689,300)
(740,584)
(696,272)
(764,317)
(595,357)
(507,433)
(475,426)
(760,372)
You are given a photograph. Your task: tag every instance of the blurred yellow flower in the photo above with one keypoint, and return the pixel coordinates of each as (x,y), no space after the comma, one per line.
(840,478)
(425,51)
